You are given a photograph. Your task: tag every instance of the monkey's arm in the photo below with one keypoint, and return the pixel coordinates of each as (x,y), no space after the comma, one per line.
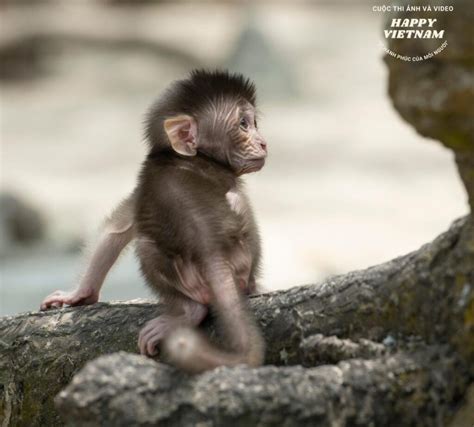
(118,232)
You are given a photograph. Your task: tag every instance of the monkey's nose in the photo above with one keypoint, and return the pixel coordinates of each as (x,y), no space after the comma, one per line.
(263,144)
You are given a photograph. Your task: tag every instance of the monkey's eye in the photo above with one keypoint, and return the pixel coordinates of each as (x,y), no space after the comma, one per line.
(244,124)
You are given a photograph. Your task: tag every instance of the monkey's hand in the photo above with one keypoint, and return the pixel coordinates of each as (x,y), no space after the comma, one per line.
(80,296)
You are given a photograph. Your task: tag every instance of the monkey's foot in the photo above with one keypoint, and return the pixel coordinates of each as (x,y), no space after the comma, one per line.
(153,332)
(58,299)
(160,327)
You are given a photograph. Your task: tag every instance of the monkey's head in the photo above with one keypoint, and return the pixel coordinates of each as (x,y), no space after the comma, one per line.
(212,113)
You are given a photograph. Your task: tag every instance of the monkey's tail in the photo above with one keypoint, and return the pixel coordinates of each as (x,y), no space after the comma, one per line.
(190,351)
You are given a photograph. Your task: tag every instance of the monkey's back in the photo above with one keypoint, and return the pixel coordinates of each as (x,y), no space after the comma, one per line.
(182,206)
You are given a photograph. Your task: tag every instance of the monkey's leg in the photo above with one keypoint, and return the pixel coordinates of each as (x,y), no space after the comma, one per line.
(118,232)
(179,286)
(191,352)
(181,312)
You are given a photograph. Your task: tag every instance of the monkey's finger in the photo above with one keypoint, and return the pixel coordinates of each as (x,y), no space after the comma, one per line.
(55,300)
(46,305)
(142,346)
(50,297)
(151,345)
(142,343)
(56,303)
(150,328)
(147,329)
(148,340)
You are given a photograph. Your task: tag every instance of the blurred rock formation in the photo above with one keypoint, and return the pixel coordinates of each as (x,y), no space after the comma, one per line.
(436,96)
(20,223)
(255,56)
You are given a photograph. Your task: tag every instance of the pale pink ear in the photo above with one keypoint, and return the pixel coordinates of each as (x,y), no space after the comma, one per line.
(182,133)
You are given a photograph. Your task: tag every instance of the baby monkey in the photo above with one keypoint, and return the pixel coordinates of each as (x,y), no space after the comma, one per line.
(196,237)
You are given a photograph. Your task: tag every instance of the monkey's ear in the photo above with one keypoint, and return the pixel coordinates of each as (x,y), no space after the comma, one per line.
(182,133)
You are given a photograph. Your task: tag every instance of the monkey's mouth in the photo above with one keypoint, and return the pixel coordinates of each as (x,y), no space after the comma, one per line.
(252,165)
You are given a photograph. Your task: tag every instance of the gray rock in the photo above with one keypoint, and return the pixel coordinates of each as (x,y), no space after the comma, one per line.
(20,223)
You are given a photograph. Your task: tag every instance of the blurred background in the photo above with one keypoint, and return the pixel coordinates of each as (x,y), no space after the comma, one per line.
(347,184)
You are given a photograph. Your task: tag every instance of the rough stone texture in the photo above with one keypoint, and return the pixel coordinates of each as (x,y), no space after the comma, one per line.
(39,353)
(436,96)
(127,390)
(318,349)
(427,294)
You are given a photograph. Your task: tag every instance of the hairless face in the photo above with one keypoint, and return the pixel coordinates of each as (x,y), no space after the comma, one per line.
(230,135)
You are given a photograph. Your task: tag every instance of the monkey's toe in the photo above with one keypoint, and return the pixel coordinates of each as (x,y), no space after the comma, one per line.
(148,343)
(152,333)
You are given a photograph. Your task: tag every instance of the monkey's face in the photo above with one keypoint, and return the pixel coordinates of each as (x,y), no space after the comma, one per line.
(226,131)
(246,148)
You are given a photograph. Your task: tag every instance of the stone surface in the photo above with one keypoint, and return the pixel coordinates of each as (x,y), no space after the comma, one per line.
(427,294)
(436,96)
(126,390)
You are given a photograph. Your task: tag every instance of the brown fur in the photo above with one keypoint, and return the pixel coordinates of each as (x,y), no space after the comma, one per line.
(197,236)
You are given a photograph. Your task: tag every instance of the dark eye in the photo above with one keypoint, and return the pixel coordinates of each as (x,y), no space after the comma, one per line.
(243,123)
